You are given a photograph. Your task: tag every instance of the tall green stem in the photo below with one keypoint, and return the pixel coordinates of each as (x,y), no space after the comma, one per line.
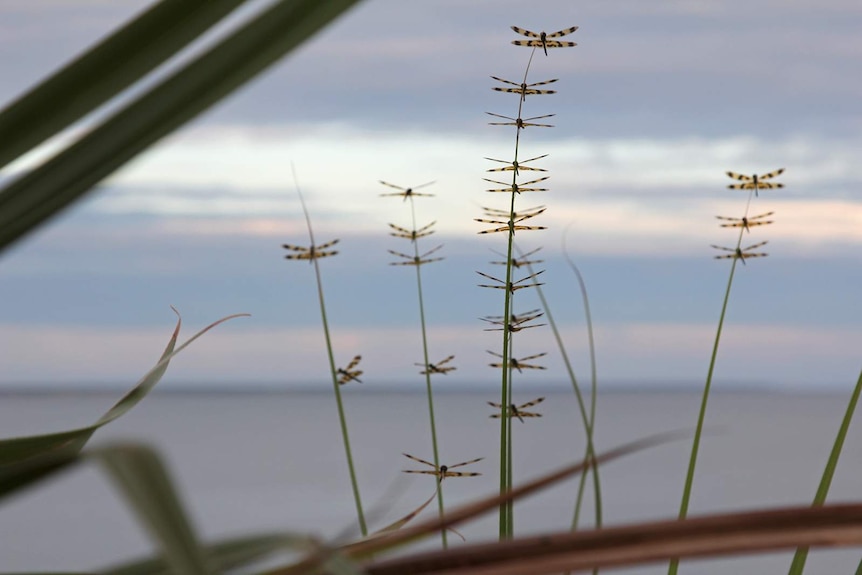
(427,370)
(341,418)
(332,368)
(673,567)
(801,554)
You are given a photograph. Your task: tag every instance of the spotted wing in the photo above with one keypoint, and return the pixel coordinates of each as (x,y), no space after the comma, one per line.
(561,33)
(526,124)
(759,186)
(524,32)
(405,256)
(722,248)
(529,43)
(492,278)
(558,44)
(444,361)
(544,83)
(741,177)
(401,231)
(467,463)
(295,248)
(421,231)
(536,401)
(523,91)
(777,172)
(414,458)
(755,246)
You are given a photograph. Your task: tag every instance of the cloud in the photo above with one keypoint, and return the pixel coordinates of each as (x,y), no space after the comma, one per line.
(624,196)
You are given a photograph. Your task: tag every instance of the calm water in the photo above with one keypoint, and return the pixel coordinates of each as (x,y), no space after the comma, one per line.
(256,462)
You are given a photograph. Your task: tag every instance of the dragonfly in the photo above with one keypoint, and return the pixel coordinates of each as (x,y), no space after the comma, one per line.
(311,253)
(497,213)
(755,182)
(439,367)
(523,88)
(742,253)
(518,188)
(519,364)
(406,192)
(516,318)
(443,471)
(523,260)
(516,166)
(516,323)
(540,40)
(349,373)
(519,122)
(745,222)
(416,260)
(518,410)
(412,235)
(512,286)
(511,225)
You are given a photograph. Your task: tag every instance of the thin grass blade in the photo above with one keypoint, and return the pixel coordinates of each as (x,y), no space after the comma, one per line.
(801,555)
(14,451)
(708,536)
(224,555)
(407,518)
(104,71)
(33,198)
(143,480)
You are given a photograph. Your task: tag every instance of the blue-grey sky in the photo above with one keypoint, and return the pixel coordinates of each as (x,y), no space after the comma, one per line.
(654,104)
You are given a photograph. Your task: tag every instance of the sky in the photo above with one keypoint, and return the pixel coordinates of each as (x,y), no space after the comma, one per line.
(655,103)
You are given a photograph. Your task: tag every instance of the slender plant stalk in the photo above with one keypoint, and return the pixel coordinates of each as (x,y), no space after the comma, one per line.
(427,370)
(801,554)
(587,419)
(341,418)
(334,371)
(673,567)
(506,522)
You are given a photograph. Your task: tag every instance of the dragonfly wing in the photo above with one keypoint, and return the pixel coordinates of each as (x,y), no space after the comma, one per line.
(558,44)
(524,32)
(462,464)
(562,33)
(736,176)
